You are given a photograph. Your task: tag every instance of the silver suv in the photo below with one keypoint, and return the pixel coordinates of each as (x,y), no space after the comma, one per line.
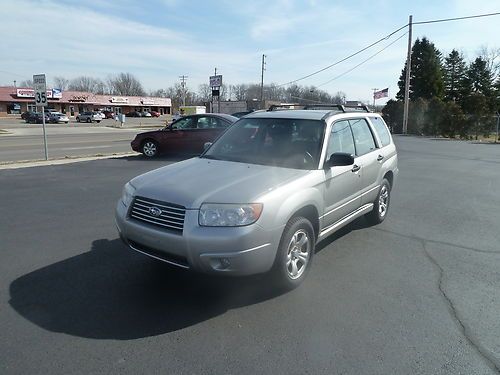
(89,117)
(264,194)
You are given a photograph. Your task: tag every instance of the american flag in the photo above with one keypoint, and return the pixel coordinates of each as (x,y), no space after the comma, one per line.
(381,94)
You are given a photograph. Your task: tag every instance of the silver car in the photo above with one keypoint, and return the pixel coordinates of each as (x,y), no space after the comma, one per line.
(58,117)
(264,194)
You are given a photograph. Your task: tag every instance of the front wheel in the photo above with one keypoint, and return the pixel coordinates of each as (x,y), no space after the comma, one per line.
(381,204)
(150,148)
(295,253)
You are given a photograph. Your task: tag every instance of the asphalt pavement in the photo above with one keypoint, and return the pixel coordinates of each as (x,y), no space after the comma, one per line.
(418,294)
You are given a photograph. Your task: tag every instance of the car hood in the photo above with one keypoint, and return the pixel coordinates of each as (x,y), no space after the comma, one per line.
(195,181)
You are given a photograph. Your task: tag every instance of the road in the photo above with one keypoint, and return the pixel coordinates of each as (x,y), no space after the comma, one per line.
(418,294)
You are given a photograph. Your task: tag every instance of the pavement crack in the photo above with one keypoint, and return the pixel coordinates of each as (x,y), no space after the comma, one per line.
(487,355)
(420,239)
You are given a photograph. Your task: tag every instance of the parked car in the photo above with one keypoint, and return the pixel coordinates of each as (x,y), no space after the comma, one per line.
(109,114)
(26,114)
(58,117)
(155,113)
(103,116)
(146,114)
(186,135)
(37,118)
(264,194)
(241,114)
(89,117)
(133,114)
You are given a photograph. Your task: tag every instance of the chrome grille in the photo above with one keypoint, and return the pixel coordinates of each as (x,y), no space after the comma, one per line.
(162,214)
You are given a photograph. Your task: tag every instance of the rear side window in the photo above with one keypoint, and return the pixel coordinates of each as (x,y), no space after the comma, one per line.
(363,137)
(381,130)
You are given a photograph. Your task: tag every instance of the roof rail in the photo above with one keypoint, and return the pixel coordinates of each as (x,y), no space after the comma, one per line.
(340,107)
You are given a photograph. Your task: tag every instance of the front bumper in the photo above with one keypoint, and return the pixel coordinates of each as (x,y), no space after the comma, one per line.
(234,251)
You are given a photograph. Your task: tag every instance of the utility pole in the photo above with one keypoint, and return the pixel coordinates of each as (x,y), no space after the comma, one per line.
(183,85)
(374,91)
(262,79)
(407,80)
(15,84)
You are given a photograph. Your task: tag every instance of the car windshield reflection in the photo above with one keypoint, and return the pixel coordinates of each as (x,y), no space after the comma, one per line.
(288,143)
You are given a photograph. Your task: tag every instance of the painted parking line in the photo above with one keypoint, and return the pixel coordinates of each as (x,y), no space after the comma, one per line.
(82,148)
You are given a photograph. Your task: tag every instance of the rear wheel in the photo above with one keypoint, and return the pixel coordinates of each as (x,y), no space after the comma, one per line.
(78,119)
(89,120)
(295,253)
(150,148)
(381,204)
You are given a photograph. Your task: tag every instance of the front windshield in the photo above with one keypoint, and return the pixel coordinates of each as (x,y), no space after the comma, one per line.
(288,143)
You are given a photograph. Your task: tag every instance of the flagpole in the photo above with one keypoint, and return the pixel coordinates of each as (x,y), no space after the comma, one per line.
(374,90)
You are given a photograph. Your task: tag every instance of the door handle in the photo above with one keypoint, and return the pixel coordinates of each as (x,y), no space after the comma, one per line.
(380,158)
(355,168)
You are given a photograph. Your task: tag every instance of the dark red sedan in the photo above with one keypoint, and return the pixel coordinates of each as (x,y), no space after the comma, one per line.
(186,135)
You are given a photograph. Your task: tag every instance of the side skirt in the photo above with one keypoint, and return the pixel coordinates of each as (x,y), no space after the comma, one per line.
(345,220)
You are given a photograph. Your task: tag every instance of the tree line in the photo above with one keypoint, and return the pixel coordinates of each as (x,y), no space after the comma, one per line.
(448,96)
(128,84)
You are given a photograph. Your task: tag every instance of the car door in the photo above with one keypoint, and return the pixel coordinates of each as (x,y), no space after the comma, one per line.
(177,138)
(342,183)
(366,158)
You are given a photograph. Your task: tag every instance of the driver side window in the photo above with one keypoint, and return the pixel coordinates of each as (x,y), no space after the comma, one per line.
(184,123)
(341,139)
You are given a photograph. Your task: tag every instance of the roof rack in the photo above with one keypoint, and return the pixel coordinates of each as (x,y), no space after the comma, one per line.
(339,107)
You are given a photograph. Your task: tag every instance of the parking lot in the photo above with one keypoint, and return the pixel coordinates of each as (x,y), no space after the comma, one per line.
(419,293)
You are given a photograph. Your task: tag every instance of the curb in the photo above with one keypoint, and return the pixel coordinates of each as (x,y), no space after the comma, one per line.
(68,160)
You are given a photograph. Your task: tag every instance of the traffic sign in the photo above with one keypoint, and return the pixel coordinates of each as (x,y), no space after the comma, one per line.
(40,87)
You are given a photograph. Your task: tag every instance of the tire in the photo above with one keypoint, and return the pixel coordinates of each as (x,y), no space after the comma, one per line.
(293,259)
(98,121)
(89,120)
(149,148)
(78,119)
(381,204)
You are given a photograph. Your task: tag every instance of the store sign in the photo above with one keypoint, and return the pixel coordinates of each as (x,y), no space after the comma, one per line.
(79,98)
(56,93)
(30,93)
(216,81)
(119,99)
(148,101)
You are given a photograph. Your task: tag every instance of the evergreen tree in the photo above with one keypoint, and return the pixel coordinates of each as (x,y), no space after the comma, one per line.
(480,81)
(426,76)
(454,75)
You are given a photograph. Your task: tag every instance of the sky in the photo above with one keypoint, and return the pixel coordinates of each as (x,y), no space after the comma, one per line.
(160,40)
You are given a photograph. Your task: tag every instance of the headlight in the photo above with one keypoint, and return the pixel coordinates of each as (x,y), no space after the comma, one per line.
(228,215)
(128,194)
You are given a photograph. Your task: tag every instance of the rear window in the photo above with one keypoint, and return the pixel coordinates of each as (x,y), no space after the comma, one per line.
(381,130)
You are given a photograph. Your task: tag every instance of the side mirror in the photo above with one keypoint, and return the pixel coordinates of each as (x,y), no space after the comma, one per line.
(339,159)
(206,146)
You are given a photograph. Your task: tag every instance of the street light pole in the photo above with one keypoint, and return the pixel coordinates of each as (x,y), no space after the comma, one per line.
(407,80)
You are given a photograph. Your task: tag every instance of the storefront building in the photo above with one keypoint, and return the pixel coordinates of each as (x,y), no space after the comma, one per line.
(14,101)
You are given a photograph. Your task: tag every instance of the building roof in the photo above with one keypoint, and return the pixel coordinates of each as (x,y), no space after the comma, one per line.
(9,94)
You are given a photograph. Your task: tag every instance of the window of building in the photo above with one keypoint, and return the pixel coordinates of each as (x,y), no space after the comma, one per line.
(31,107)
(13,108)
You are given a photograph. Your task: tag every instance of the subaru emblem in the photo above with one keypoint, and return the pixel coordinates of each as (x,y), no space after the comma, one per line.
(155,211)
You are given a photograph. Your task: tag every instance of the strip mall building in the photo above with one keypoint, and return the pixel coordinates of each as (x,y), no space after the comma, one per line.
(14,101)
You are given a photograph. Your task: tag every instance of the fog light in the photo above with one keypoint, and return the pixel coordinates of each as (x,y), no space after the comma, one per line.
(224,263)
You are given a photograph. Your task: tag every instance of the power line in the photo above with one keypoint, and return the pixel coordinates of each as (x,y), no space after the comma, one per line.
(457,18)
(345,58)
(364,61)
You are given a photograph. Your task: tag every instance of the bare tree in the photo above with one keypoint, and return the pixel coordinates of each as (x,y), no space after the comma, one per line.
(89,84)
(204,93)
(125,84)
(492,58)
(26,83)
(61,82)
